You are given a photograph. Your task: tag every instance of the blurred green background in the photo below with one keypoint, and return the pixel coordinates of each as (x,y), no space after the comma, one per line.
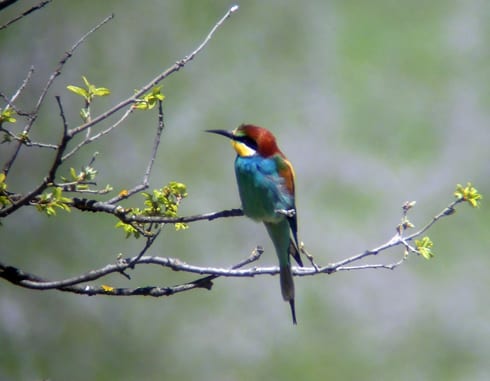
(375,103)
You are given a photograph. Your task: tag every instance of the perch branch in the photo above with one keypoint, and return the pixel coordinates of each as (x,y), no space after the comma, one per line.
(74,284)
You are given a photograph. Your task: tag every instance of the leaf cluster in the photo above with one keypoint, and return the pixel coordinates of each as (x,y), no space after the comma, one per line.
(469,194)
(4,200)
(49,201)
(81,181)
(7,115)
(88,93)
(162,202)
(150,100)
(424,247)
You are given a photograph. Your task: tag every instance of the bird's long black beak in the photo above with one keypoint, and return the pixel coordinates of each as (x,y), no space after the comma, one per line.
(225,133)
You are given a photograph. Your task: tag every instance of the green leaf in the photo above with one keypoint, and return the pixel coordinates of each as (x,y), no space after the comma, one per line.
(424,247)
(181,226)
(87,83)
(162,202)
(49,201)
(101,91)
(4,200)
(7,115)
(50,211)
(85,114)
(88,93)
(88,173)
(57,193)
(78,90)
(128,229)
(469,194)
(150,100)
(63,206)
(6,139)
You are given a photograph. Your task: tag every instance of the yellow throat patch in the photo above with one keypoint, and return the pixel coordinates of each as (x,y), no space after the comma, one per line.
(242,149)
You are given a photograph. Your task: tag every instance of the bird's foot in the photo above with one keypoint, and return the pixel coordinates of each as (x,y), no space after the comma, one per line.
(287,212)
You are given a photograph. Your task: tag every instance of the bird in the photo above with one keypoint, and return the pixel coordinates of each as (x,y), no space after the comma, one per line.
(265,179)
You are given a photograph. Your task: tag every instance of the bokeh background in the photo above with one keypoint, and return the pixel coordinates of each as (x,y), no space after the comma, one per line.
(375,103)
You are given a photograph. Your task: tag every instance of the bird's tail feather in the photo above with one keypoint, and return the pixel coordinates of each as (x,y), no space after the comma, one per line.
(287,288)
(293,311)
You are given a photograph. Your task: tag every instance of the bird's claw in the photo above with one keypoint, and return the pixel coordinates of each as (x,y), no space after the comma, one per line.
(287,212)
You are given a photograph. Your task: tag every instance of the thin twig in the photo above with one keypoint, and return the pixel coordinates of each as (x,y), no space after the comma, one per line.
(23,14)
(396,240)
(62,62)
(232,10)
(449,210)
(51,173)
(176,67)
(89,139)
(156,143)
(146,177)
(24,83)
(26,141)
(149,242)
(44,92)
(62,115)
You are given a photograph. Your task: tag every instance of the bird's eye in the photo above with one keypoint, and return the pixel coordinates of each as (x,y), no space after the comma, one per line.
(249,142)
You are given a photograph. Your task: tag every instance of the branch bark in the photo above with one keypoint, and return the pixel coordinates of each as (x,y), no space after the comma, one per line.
(123,265)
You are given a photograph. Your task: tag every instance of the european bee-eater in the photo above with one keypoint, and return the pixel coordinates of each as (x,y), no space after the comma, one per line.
(266,185)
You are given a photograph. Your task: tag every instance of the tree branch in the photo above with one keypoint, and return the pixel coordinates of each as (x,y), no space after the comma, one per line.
(56,73)
(6,3)
(74,284)
(21,200)
(174,68)
(146,177)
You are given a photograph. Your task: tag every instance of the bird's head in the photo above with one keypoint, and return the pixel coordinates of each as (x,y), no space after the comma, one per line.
(249,140)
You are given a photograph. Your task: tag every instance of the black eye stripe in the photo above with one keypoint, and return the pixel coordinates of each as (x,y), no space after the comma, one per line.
(249,142)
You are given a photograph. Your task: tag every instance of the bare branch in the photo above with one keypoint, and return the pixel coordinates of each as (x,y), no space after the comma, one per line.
(62,115)
(62,62)
(174,68)
(32,281)
(156,144)
(44,92)
(396,240)
(89,139)
(26,80)
(6,3)
(27,280)
(232,10)
(146,178)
